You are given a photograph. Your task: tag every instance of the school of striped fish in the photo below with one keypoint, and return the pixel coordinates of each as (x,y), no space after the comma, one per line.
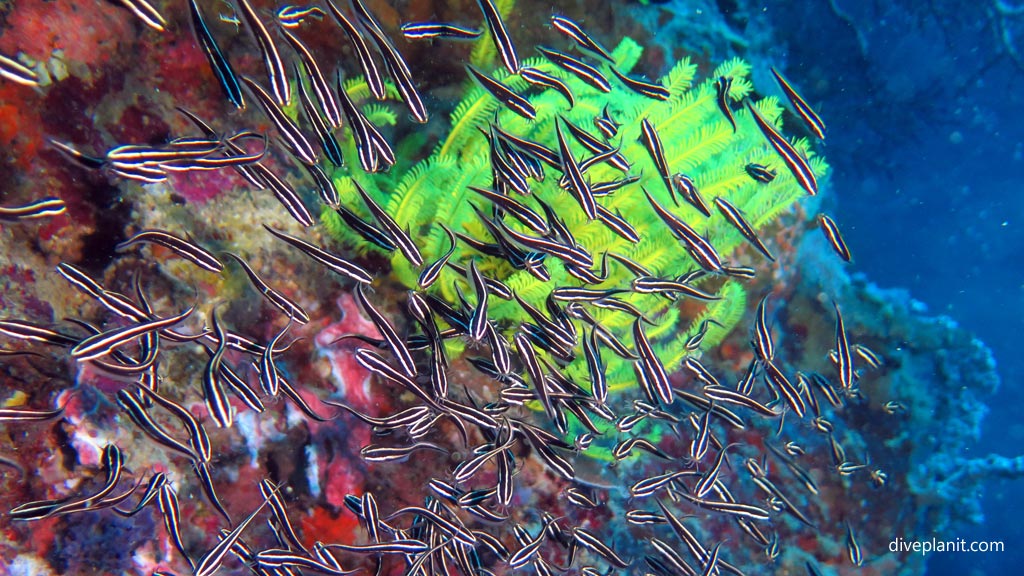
(464,524)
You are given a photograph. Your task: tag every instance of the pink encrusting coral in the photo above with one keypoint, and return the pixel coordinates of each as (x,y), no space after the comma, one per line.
(353,382)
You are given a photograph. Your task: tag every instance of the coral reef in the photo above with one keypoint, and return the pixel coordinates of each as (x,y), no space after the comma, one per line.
(316,451)
(699,140)
(941,373)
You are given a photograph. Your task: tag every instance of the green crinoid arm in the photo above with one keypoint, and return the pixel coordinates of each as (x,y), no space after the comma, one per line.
(699,142)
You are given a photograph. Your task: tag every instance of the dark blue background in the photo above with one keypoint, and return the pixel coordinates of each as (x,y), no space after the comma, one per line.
(925,107)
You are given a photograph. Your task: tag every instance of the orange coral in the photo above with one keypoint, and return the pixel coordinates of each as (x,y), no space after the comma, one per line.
(20,127)
(325,526)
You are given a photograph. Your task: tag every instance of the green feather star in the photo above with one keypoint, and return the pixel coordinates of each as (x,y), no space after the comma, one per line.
(698,141)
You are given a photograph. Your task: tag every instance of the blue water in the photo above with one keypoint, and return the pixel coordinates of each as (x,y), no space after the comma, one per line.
(924,104)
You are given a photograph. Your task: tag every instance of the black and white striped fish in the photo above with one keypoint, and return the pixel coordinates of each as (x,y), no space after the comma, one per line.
(42,208)
(499,35)
(831,231)
(800,106)
(585,72)
(735,217)
(793,159)
(334,263)
(399,237)
(186,249)
(222,69)
(271,57)
(16,72)
(446,30)
(504,94)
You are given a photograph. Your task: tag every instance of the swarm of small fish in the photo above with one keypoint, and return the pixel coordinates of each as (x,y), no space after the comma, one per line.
(462,525)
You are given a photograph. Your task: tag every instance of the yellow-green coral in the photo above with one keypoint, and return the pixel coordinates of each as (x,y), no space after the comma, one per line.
(698,142)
